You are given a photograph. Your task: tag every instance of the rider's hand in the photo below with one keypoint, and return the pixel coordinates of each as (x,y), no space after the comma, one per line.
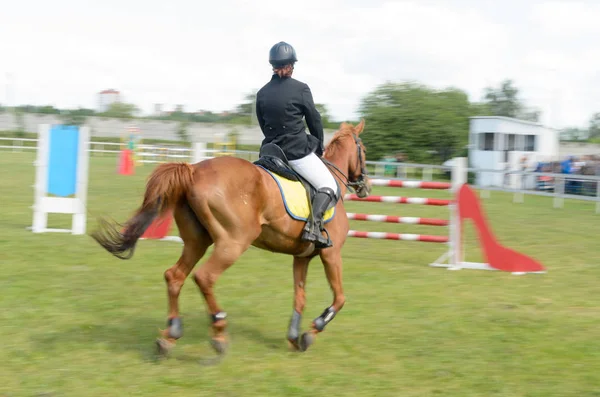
(319,151)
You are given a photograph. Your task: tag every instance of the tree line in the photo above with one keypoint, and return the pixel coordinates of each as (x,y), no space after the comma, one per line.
(244,113)
(429,125)
(422,123)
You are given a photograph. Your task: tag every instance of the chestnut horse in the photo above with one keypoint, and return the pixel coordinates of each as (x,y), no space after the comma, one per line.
(233,204)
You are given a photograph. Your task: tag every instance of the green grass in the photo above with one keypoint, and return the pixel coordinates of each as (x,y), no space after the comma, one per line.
(75,321)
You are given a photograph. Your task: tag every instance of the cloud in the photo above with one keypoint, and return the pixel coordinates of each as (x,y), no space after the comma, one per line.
(567,19)
(208,55)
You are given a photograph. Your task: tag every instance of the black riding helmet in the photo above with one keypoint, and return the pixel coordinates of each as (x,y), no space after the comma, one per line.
(282,54)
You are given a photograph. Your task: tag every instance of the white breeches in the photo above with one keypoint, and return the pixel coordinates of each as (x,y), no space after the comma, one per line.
(312,168)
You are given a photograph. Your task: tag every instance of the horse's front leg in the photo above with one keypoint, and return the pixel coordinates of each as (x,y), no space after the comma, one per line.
(332,262)
(300,271)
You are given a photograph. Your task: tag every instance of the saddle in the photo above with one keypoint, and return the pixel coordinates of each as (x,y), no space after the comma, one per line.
(273,159)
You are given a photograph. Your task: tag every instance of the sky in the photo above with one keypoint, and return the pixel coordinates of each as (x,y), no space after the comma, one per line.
(208,55)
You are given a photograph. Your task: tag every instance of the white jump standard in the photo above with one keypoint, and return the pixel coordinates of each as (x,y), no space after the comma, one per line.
(61,171)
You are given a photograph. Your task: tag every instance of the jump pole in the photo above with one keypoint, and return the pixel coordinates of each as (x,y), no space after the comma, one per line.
(453,259)
(160,227)
(61,181)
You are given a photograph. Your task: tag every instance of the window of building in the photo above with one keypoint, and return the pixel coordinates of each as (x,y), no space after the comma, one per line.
(486,141)
(512,142)
(530,143)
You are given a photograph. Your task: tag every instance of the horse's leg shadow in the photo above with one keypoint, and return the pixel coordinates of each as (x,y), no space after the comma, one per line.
(129,334)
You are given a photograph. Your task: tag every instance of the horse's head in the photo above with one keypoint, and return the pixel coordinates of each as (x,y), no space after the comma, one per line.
(347,151)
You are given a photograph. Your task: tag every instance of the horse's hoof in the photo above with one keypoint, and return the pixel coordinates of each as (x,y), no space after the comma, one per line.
(164,346)
(293,344)
(220,346)
(305,341)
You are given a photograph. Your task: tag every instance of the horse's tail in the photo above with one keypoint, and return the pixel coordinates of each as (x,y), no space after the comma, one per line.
(166,186)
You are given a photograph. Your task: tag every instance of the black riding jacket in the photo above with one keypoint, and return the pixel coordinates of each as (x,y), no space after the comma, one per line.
(281,105)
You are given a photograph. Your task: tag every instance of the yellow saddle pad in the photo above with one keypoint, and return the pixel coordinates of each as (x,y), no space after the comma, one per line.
(295,198)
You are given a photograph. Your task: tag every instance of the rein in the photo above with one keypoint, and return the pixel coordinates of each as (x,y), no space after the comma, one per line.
(360,182)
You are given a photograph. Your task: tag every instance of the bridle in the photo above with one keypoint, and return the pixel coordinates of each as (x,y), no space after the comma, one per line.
(360,183)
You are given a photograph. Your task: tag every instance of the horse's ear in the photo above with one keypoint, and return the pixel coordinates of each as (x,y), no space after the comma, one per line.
(360,127)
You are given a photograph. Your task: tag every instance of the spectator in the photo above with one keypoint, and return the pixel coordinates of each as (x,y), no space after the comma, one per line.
(400,158)
(523,168)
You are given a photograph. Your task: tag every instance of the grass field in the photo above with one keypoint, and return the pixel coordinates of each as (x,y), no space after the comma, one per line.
(76,321)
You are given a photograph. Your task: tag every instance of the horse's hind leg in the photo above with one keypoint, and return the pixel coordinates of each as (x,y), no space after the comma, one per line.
(225,253)
(196,240)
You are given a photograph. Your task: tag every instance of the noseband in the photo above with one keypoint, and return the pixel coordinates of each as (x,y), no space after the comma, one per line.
(360,182)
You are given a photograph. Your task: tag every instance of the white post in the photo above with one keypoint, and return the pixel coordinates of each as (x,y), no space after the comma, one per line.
(518,196)
(428,173)
(40,217)
(454,255)
(459,173)
(200,153)
(79,217)
(459,177)
(558,201)
(598,198)
(454,239)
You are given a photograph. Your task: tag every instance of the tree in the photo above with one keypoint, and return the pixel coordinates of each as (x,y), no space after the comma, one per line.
(20,121)
(325,116)
(75,116)
(179,115)
(504,101)
(423,123)
(530,115)
(205,117)
(121,110)
(481,109)
(39,109)
(246,108)
(573,134)
(47,110)
(594,128)
(182,131)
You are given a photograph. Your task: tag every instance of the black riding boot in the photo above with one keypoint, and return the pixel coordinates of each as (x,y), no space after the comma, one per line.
(314,226)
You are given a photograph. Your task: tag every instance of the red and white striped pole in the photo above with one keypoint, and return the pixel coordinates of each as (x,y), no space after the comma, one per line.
(411,184)
(398,200)
(398,219)
(398,236)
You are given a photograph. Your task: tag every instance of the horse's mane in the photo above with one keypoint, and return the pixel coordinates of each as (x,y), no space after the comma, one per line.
(345,132)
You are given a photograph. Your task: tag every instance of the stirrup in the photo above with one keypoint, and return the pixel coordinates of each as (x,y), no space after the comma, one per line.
(323,242)
(313,234)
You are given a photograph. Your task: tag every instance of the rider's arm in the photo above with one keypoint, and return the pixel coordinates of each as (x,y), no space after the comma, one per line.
(259,116)
(313,117)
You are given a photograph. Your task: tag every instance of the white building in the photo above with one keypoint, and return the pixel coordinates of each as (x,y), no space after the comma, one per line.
(106,98)
(503,143)
(158,109)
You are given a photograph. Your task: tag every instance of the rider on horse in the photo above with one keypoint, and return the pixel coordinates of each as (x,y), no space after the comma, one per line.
(281,105)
